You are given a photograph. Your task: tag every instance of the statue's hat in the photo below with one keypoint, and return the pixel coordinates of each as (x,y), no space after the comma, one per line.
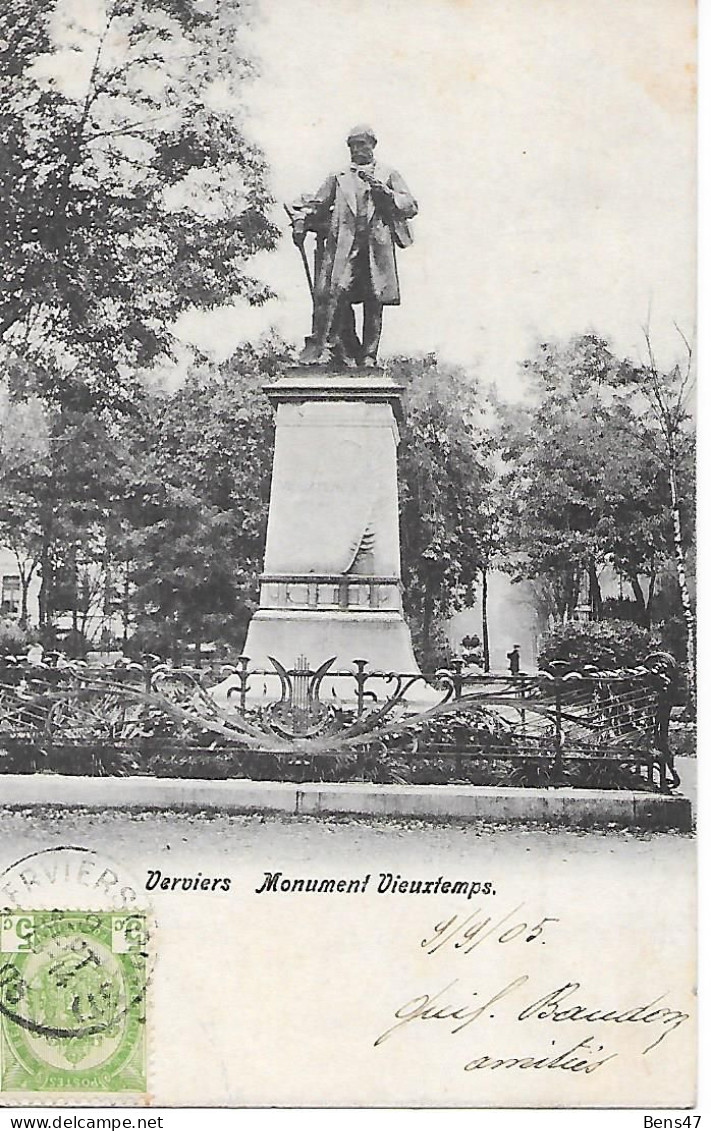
(362,130)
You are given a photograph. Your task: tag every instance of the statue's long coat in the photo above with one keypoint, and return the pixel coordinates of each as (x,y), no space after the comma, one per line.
(332,212)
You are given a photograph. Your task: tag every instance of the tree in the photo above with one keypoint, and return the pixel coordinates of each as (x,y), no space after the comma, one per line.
(636,511)
(583,484)
(195,515)
(129,191)
(668,396)
(444,483)
(24,451)
(61,477)
(554,452)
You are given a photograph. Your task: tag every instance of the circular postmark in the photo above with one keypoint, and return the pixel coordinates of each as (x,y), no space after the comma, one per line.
(68,876)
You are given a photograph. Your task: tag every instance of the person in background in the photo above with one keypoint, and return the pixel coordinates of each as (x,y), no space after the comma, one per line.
(514,659)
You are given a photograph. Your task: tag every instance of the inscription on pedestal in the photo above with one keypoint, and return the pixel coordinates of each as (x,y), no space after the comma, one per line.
(352,592)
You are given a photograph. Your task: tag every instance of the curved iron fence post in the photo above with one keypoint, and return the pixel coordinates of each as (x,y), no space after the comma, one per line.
(243,678)
(661,727)
(558,755)
(457,678)
(360,678)
(315,679)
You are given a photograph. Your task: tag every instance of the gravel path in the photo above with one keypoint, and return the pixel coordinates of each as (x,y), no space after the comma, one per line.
(137,837)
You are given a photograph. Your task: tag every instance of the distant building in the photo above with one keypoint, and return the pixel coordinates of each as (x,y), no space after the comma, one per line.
(100,630)
(11,589)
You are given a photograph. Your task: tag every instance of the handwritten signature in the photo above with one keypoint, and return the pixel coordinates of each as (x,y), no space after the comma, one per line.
(422,1008)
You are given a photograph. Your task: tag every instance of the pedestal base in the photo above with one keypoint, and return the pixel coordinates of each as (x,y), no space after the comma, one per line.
(382,639)
(299,639)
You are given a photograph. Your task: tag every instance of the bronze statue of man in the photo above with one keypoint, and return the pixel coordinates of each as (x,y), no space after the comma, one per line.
(359,215)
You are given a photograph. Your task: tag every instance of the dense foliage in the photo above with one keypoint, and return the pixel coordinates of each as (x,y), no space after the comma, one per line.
(129,189)
(606,644)
(589,483)
(446,501)
(196,509)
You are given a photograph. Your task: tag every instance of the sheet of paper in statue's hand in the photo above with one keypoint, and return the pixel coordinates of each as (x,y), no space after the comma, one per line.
(156,945)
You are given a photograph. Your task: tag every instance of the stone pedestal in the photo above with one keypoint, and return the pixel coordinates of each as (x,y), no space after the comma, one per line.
(331,581)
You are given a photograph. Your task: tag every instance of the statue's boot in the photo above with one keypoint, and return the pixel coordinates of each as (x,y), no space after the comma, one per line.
(372,329)
(311,353)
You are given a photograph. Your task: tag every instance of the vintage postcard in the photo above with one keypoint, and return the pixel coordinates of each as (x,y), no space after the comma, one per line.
(347,541)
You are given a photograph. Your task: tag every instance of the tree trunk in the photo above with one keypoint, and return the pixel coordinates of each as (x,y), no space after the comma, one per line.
(650,595)
(640,601)
(572,587)
(75,591)
(644,606)
(106,603)
(24,612)
(126,603)
(637,590)
(427,615)
(485,619)
(26,576)
(46,585)
(46,563)
(561,599)
(595,594)
(680,562)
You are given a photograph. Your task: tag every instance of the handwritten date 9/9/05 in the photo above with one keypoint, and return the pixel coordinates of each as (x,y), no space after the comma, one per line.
(465,932)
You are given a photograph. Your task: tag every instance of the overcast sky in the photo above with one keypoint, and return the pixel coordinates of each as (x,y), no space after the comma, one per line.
(550,144)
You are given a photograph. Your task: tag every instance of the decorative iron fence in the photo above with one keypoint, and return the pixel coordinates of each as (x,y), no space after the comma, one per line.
(587,728)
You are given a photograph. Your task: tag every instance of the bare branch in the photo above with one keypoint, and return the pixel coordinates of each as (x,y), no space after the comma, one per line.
(685,340)
(686,384)
(656,400)
(133,129)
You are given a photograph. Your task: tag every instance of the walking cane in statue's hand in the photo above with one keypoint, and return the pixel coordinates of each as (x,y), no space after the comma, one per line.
(302,251)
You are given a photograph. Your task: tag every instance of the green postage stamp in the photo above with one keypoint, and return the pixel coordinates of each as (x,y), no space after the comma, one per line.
(72,1001)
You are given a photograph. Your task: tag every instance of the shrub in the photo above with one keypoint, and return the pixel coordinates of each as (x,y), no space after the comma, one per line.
(614,608)
(604,644)
(14,639)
